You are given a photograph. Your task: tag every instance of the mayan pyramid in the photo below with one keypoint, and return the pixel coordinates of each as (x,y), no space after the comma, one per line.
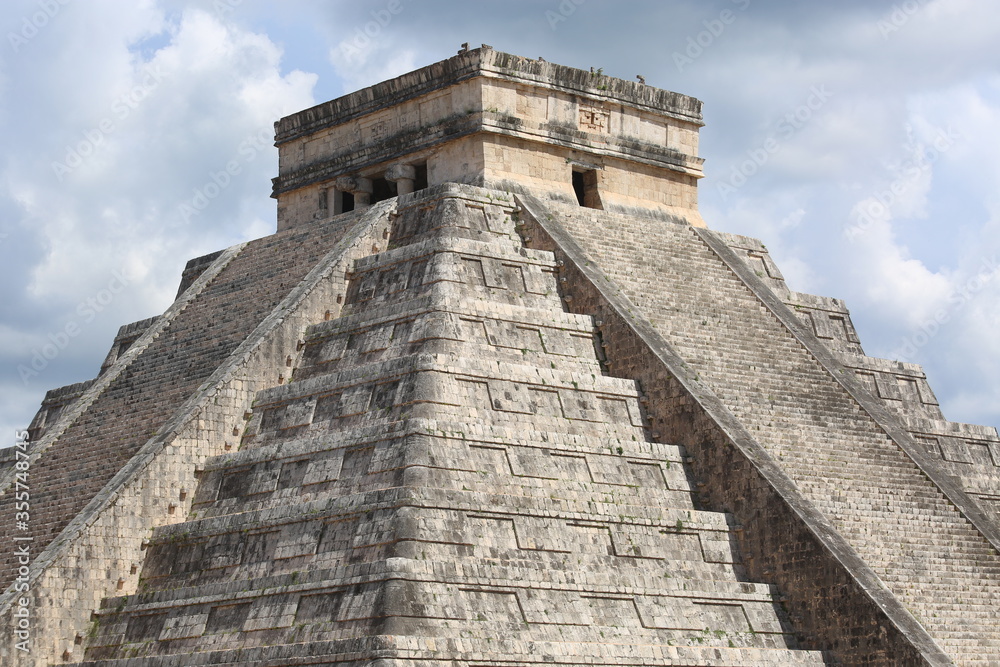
(494,395)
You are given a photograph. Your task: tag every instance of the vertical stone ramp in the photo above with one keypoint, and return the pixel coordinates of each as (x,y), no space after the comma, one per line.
(932,558)
(450,479)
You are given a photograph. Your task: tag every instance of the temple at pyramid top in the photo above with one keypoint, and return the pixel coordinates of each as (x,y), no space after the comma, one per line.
(495,120)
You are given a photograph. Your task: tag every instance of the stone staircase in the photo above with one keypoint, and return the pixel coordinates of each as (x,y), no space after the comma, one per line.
(931,557)
(968,452)
(76,465)
(450,479)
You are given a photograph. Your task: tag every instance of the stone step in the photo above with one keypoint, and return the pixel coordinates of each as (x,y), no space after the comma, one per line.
(493,273)
(505,653)
(695,564)
(430,606)
(527,337)
(638,490)
(526,500)
(494,570)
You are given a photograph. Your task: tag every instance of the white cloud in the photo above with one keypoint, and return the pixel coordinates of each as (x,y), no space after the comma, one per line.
(374,45)
(137,132)
(359,68)
(900,286)
(190,106)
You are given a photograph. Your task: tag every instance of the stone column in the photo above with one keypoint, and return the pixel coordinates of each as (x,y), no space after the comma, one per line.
(403,176)
(360,187)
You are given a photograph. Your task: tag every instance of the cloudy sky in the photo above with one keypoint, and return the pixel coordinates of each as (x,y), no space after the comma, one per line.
(859,140)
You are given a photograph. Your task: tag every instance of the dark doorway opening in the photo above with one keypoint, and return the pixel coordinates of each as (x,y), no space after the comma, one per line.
(382,190)
(578,187)
(585,187)
(343,202)
(420,178)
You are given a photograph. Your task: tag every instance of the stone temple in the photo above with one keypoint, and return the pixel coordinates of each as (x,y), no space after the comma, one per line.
(494,395)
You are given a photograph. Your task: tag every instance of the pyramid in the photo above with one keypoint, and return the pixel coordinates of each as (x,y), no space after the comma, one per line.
(494,395)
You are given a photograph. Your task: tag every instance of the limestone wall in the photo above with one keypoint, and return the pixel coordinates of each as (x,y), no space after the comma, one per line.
(494,120)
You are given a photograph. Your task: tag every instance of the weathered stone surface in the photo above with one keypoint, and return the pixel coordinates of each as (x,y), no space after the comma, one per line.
(492,119)
(468,425)
(899,521)
(476,484)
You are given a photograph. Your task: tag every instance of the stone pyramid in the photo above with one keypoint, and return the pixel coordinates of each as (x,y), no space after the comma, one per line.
(493,395)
